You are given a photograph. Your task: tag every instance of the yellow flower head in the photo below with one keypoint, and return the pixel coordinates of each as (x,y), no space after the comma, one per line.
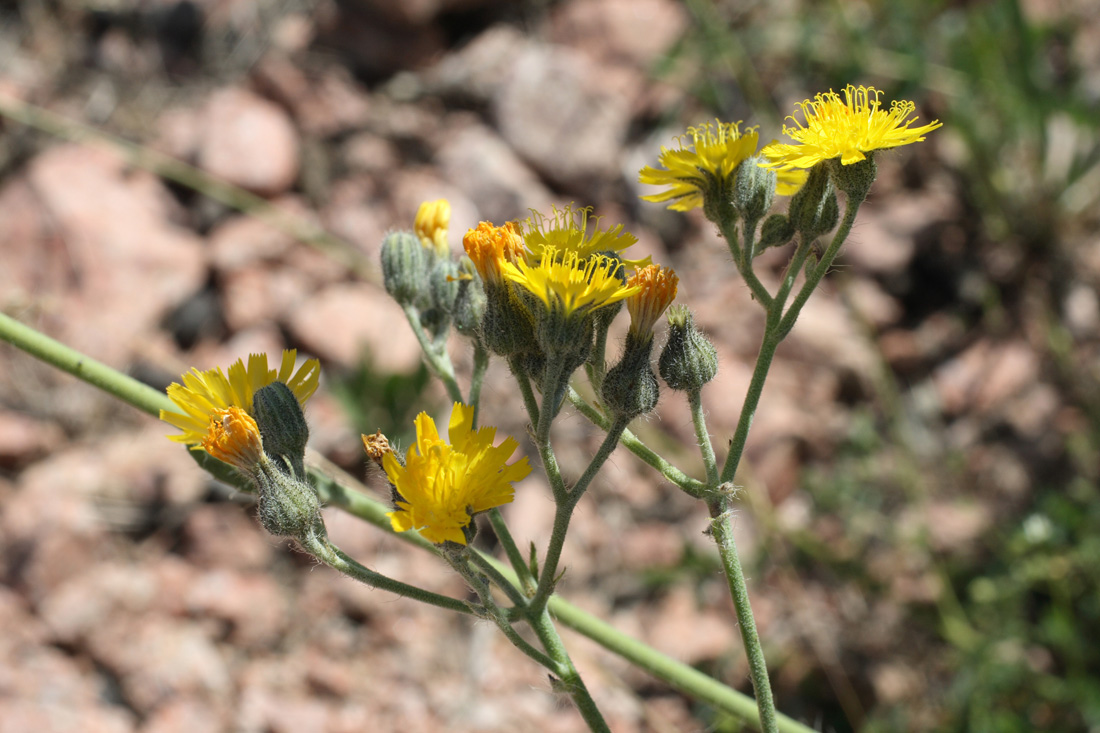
(567,232)
(203,394)
(489,247)
(568,284)
(234,438)
(442,485)
(432,220)
(656,291)
(845,127)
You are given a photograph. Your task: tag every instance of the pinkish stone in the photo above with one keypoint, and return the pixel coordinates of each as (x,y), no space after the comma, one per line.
(249,141)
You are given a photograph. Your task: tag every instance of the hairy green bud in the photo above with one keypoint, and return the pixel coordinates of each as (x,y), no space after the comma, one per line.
(630,387)
(282,427)
(814,210)
(470,303)
(288,506)
(406,266)
(688,360)
(753,189)
(776,231)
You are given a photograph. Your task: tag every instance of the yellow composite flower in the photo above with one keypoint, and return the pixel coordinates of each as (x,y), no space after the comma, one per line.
(442,485)
(567,231)
(234,438)
(845,127)
(204,393)
(656,291)
(568,284)
(489,247)
(430,225)
(708,155)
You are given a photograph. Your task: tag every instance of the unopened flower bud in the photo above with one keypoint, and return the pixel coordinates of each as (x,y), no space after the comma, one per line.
(776,231)
(282,426)
(689,360)
(813,210)
(753,189)
(630,387)
(469,307)
(506,326)
(288,506)
(406,267)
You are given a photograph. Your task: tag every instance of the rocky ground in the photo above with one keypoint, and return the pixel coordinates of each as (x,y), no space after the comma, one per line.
(136,595)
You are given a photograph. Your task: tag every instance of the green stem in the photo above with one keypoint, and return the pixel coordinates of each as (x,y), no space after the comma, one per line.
(728,227)
(524,383)
(504,536)
(722,531)
(437,358)
(564,513)
(570,679)
(481,364)
(96,373)
(637,447)
(335,558)
(805,245)
(702,435)
(498,579)
(813,277)
(493,611)
(554,383)
(764,358)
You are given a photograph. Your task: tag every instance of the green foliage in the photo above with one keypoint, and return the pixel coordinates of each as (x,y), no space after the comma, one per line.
(376,400)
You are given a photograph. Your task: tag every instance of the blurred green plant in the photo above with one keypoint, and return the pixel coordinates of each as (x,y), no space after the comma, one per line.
(375,400)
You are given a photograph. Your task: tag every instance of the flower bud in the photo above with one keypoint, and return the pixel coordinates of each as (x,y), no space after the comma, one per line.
(813,209)
(753,189)
(630,387)
(282,426)
(506,326)
(689,360)
(776,231)
(406,266)
(288,506)
(442,291)
(469,306)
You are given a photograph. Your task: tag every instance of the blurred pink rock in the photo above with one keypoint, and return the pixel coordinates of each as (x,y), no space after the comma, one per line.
(344,322)
(112,262)
(249,141)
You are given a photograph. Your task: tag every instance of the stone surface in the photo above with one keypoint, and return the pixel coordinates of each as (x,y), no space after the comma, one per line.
(248,141)
(552,112)
(343,323)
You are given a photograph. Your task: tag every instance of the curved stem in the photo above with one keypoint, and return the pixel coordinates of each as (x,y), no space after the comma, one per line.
(436,356)
(813,277)
(728,228)
(497,578)
(768,346)
(637,447)
(493,611)
(504,536)
(331,555)
(702,435)
(564,513)
(571,680)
